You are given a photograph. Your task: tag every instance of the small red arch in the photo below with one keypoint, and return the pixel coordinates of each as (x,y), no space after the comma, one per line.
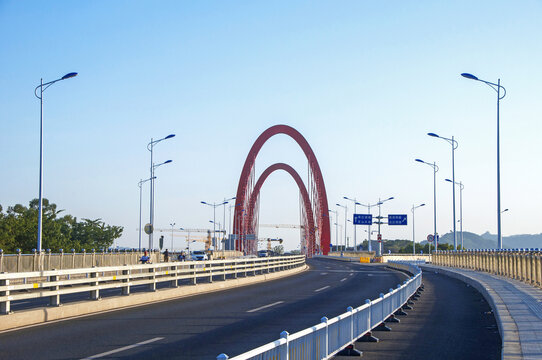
(310,233)
(245,188)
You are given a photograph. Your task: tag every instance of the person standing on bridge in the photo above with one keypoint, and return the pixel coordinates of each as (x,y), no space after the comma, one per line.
(166,256)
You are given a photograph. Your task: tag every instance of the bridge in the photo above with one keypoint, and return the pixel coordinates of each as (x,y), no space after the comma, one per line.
(313,306)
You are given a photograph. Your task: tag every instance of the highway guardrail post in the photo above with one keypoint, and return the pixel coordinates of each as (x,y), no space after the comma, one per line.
(286,354)
(5,305)
(94,294)
(152,285)
(222,357)
(54,300)
(175,274)
(194,280)
(126,281)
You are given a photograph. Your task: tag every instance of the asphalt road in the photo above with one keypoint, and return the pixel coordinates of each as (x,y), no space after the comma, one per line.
(203,326)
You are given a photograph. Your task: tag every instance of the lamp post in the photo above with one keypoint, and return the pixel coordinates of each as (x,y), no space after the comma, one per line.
(454,146)
(461,187)
(140,184)
(435,169)
(413,233)
(368,206)
(224,220)
(355,203)
(337,225)
(345,218)
(379,203)
(150,147)
(214,206)
(154,166)
(42,87)
(497,87)
(172,225)
(336,228)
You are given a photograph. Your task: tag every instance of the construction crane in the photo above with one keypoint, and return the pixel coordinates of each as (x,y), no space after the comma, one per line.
(269,242)
(284,226)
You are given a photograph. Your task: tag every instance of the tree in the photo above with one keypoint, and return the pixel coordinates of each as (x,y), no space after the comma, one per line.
(278,250)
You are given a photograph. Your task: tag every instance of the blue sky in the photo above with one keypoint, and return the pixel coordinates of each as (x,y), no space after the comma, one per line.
(363,81)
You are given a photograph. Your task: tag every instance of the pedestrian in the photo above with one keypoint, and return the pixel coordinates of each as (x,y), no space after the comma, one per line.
(166,256)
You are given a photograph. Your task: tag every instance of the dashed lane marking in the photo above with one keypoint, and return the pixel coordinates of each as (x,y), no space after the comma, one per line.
(123,348)
(325,287)
(265,306)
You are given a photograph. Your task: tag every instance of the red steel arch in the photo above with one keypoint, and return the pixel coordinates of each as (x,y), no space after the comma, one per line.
(243,229)
(309,226)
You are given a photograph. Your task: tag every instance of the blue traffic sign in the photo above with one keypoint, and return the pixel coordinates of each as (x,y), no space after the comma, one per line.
(400,219)
(363,219)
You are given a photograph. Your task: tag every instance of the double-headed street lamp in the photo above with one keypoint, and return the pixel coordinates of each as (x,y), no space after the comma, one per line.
(368,206)
(413,233)
(497,87)
(379,203)
(42,87)
(345,218)
(435,169)
(336,227)
(214,206)
(355,204)
(140,184)
(461,186)
(454,146)
(150,147)
(224,219)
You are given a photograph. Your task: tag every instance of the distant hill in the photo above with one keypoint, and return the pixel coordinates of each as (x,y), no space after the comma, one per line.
(489,241)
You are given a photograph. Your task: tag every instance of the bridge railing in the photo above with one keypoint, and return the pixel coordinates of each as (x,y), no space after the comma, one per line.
(324,340)
(521,264)
(52,284)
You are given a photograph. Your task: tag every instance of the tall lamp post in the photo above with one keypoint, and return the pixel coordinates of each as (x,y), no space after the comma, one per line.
(140,184)
(39,94)
(224,221)
(461,187)
(368,206)
(435,170)
(355,204)
(214,206)
(336,227)
(497,87)
(454,146)
(413,233)
(345,218)
(154,166)
(150,147)
(379,203)
(172,225)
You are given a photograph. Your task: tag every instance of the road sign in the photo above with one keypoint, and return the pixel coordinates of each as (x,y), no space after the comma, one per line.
(148,229)
(363,219)
(397,219)
(430,238)
(379,237)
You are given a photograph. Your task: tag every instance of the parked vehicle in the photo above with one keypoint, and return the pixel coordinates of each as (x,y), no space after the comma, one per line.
(199,255)
(263,253)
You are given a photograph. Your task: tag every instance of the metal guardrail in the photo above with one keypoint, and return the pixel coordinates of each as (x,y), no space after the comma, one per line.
(54,283)
(520,264)
(326,339)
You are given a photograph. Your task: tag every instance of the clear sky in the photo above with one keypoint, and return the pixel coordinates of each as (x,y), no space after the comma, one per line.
(363,81)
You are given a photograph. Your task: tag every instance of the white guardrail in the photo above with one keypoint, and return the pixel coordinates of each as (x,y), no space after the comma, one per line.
(326,339)
(54,283)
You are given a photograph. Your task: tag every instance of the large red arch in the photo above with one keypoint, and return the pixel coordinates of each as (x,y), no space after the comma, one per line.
(245,188)
(310,226)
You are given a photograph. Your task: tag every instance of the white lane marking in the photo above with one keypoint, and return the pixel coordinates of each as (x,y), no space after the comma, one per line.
(369,274)
(123,348)
(324,273)
(343,279)
(325,287)
(350,274)
(265,306)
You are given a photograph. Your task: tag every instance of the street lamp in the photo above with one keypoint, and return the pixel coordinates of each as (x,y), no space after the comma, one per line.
(368,206)
(379,203)
(172,225)
(461,186)
(224,220)
(345,218)
(150,147)
(497,87)
(42,87)
(214,206)
(140,184)
(336,228)
(339,226)
(154,166)
(435,169)
(454,146)
(413,234)
(354,225)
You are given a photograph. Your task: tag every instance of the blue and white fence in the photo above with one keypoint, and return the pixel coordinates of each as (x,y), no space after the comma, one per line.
(326,339)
